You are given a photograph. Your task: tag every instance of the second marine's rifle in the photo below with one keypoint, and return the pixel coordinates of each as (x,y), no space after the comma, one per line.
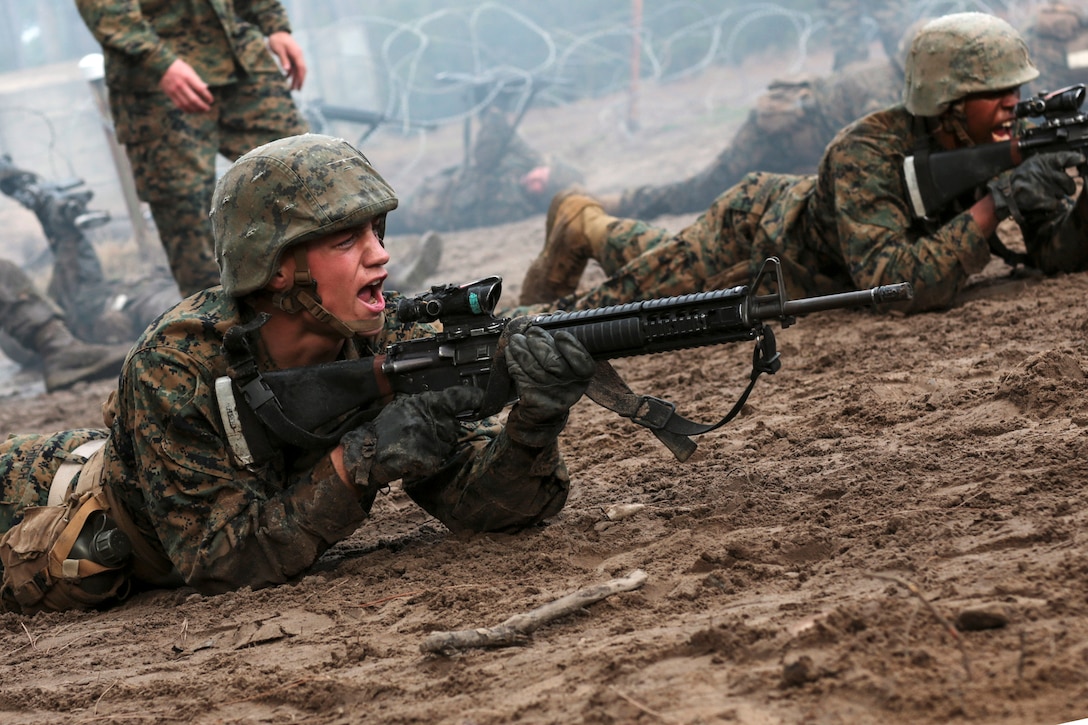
(935,179)
(311,407)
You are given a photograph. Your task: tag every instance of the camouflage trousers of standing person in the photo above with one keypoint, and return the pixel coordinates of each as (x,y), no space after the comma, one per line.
(28,464)
(173,156)
(722,248)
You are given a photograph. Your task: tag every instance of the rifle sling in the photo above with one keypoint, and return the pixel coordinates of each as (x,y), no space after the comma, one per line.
(609,390)
(260,398)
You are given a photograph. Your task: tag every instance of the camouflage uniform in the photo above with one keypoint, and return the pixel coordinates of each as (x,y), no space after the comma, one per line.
(27,466)
(786,132)
(849,227)
(173,153)
(215,524)
(486,192)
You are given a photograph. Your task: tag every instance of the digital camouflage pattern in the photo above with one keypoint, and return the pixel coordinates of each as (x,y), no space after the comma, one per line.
(173,153)
(488,190)
(955,55)
(848,227)
(222,525)
(786,132)
(27,466)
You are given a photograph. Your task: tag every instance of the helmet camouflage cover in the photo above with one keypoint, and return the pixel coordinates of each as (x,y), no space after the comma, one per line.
(963,53)
(288,192)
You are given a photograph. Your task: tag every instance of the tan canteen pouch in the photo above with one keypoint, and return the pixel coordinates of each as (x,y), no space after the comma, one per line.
(67,556)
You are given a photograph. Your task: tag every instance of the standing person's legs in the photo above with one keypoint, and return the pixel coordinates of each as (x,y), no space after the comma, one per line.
(254,111)
(173,161)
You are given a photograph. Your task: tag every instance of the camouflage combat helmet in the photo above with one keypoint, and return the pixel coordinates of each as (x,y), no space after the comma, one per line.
(963,53)
(288,192)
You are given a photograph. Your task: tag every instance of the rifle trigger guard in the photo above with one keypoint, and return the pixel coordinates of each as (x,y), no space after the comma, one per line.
(657,412)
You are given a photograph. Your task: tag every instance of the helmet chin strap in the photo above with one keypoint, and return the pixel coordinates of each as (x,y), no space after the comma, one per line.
(954,121)
(303,296)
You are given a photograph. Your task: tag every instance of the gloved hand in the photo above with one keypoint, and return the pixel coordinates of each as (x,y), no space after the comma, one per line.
(411,438)
(551,374)
(1039,187)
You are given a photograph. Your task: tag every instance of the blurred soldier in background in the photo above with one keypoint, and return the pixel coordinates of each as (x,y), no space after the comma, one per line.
(1058,39)
(37,325)
(502,178)
(81,305)
(786,132)
(849,32)
(188,81)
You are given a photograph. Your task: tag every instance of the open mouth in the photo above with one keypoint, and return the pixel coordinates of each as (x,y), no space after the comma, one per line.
(371,296)
(1003,132)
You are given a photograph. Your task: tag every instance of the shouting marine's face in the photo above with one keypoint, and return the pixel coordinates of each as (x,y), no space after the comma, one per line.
(990,116)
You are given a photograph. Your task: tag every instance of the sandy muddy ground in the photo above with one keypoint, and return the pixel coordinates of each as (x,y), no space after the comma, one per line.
(892,532)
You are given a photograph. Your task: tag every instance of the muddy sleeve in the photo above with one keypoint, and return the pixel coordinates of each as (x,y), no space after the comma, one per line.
(222,525)
(120,26)
(878,241)
(494,484)
(1057,245)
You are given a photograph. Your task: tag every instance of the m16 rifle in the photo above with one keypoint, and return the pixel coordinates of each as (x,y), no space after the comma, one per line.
(312,407)
(935,179)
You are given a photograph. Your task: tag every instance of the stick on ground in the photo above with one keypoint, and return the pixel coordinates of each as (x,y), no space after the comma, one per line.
(516,629)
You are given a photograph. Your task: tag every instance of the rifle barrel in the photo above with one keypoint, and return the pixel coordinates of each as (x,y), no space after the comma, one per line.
(900,292)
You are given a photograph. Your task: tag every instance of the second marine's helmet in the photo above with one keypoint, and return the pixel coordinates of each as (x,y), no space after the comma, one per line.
(956,55)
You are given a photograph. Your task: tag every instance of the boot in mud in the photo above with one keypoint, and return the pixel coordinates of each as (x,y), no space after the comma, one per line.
(575,228)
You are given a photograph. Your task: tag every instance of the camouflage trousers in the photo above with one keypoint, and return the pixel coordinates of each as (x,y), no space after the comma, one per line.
(27,466)
(722,248)
(173,156)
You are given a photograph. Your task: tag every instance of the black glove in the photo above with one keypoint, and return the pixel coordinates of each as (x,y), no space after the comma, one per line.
(1040,187)
(551,374)
(411,438)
